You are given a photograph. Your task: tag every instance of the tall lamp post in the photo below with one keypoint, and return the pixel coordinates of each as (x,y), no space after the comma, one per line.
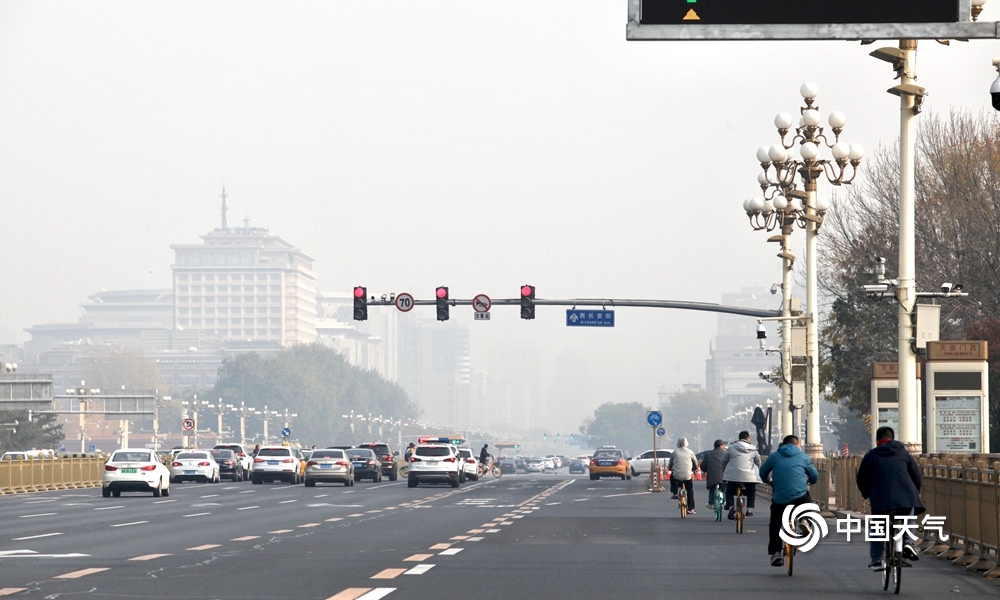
(243,411)
(83,391)
(810,137)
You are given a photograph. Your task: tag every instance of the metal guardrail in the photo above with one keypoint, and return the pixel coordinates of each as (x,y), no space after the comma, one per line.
(61,472)
(965,489)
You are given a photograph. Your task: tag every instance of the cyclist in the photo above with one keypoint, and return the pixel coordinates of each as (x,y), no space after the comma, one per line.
(740,463)
(682,466)
(484,456)
(789,471)
(890,479)
(712,467)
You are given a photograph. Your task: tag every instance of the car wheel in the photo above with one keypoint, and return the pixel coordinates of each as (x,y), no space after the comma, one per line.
(456,482)
(634,474)
(255,480)
(624,476)
(106,492)
(411,481)
(310,483)
(393,476)
(593,477)
(461,476)
(349,482)
(157,492)
(116,494)
(165,491)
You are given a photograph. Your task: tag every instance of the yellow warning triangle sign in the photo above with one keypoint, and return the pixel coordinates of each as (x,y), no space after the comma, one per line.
(691,16)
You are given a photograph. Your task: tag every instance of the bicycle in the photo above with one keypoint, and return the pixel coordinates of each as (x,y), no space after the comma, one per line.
(492,468)
(682,498)
(404,470)
(892,561)
(718,501)
(740,503)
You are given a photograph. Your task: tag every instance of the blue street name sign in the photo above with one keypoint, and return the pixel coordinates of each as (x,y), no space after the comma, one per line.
(590,318)
(654,418)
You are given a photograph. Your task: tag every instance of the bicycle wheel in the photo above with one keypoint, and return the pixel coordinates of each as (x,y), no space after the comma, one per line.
(682,502)
(739,521)
(886,561)
(789,553)
(897,571)
(404,470)
(496,472)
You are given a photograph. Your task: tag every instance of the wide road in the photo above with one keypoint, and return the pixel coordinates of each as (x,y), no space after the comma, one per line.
(521,536)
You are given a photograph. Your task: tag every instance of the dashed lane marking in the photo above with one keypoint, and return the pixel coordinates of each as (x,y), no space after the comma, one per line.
(245,538)
(81,573)
(287,501)
(205,547)
(389,574)
(41,501)
(194,515)
(441,546)
(477,538)
(362,594)
(451,551)
(149,556)
(459,537)
(307,525)
(417,557)
(38,515)
(419,569)
(127,524)
(492,530)
(247,507)
(474,531)
(33,537)
(276,531)
(357,515)
(110,507)
(163,501)
(334,519)
(9,591)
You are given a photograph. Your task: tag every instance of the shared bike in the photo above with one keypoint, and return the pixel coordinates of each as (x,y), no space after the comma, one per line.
(740,504)
(490,467)
(682,497)
(718,501)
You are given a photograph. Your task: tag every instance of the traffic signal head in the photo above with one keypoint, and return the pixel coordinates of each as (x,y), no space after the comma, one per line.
(360,303)
(441,296)
(527,302)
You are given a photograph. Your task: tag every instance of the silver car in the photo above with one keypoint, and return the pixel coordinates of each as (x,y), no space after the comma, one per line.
(329,465)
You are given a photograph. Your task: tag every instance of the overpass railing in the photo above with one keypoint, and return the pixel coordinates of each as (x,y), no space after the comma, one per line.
(60,472)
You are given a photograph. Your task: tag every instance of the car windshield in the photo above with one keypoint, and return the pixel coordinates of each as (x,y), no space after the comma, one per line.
(606,454)
(327,454)
(191,455)
(361,454)
(274,452)
(223,454)
(131,457)
(432,451)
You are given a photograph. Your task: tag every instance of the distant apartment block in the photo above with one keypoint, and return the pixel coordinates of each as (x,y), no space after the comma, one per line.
(243,283)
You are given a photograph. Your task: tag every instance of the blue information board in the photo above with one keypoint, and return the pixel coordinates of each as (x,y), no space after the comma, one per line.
(590,318)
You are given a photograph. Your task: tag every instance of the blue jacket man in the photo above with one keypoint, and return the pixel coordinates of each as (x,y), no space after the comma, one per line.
(790,472)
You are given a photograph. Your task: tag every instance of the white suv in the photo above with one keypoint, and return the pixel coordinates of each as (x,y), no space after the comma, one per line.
(435,462)
(470,464)
(275,462)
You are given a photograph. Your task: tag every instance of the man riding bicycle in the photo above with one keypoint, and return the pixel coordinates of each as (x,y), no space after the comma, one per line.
(789,471)
(484,456)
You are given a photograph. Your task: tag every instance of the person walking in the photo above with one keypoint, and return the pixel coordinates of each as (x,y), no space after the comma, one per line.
(741,463)
(890,479)
(789,471)
(682,466)
(713,469)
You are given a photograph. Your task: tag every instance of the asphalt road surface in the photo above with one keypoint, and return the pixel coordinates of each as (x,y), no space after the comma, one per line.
(521,536)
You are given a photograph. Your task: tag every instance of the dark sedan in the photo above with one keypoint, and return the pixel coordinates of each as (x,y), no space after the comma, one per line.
(230,466)
(578,465)
(366,464)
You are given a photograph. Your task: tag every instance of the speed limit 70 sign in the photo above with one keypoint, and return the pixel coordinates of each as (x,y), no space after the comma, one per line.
(404,302)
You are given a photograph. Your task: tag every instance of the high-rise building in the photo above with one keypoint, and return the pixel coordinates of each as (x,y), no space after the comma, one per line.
(242,283)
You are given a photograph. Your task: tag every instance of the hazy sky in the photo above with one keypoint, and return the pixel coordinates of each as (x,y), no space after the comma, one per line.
(406,145)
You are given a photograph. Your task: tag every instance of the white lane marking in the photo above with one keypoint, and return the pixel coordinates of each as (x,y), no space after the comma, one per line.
(451,551)
(210,496)
(552,503)
(492,530)
(478,538)
(132,523)
(580,499)
(195,515)
(419,569)
(33,537)
(201,504)
(248,491)
(38,515)
(110,507)
(376,594)
(322,495)
(40,501)
(247,507)
(287,501)
(33,554)
(634,494)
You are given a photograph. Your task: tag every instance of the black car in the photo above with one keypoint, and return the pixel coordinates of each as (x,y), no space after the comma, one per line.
(229,464)
(507,465)
(386,456)
(366,464)
(578,465)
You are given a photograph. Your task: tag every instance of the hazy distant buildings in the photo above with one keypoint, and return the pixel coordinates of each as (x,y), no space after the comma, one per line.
(245,284)
(735,359)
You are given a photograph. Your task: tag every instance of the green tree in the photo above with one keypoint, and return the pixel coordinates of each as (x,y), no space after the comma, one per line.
(957,239)
(620,424)
(41,432)
(697,416)
(317,384)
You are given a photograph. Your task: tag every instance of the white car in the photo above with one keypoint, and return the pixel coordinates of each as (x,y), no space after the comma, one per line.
(555,460)
(534,465)
(548,464)
(275,462)
(470,464)
(135,470)
(642,463)
(194,465)
(435,462)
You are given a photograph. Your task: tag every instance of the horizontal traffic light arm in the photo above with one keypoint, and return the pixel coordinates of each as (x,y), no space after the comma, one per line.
(605,303)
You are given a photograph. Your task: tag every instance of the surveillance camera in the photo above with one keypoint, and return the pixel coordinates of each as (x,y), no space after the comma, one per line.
(774,288)
(995,93)
(761,332)
(946,287)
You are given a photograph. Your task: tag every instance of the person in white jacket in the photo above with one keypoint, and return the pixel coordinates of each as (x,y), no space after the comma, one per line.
(682,465)
(742,467)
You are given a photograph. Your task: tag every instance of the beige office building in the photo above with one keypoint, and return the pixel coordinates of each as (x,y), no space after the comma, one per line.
(245,284)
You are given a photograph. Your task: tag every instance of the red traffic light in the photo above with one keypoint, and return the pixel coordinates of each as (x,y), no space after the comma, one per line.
(359,292)
(441,292)
(527,291)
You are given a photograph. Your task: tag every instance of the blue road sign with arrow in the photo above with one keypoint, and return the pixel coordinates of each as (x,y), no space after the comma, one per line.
(654,418)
